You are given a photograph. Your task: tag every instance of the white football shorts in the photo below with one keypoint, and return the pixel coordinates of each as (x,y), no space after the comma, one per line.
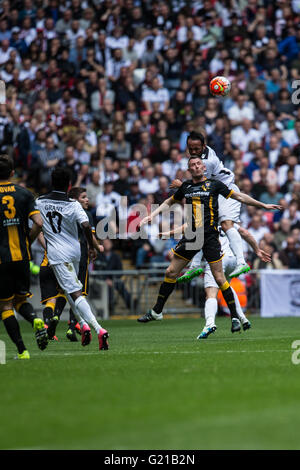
(229,264)
(229,209)
(66,275)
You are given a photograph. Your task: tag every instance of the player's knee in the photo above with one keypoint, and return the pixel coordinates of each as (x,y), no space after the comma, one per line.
(6,313)
(226,225)
(171,273)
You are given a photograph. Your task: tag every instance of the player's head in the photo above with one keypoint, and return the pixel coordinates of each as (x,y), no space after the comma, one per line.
(80,195)
(6,167)
(196,167)
(61,179)
(195,143)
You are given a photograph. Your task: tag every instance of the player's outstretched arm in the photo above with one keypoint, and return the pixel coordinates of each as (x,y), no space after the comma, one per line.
(249,201)
(36,227)
(165,206)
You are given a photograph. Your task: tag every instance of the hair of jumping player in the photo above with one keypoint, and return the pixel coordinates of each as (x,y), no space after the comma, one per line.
(196,136)
(61,178)
(75,192)
(6,166)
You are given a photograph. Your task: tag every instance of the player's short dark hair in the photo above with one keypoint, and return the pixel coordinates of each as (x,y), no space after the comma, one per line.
(6,166)
(196,136)
(61,178)
(75,192)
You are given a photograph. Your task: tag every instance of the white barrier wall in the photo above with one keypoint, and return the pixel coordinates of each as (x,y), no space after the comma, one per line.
(280,292)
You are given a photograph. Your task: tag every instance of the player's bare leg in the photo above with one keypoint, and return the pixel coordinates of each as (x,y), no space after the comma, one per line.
(218,273)
(176,266)
(236,245)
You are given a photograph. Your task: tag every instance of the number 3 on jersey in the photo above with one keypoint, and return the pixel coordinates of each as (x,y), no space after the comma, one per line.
(57,217)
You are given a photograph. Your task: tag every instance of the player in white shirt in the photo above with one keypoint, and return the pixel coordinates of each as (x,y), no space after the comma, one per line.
(212,288)
(229,209)
(210,285)
(61,216)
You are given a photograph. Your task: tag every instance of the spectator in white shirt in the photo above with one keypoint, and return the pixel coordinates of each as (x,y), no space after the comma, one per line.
(171,166)
(74,32)
(292,136)
(240,111)
(28,70)
(156,94)
(115,64)
(108,201)
(27,33)
(5,51)
(256,229)
(291,164)
(149,184)
(242,135)
(182,33)
(117,40)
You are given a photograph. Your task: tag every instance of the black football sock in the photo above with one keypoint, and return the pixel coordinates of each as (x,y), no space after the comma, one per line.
(229,299)
(165,291)
(26,311)
(60,305)
(13,329)
(48,312)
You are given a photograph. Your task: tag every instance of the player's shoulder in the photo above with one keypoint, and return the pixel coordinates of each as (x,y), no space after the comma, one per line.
(56,196)
(186,183)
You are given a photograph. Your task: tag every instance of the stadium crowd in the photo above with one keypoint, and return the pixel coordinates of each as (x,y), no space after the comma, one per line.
(111,89)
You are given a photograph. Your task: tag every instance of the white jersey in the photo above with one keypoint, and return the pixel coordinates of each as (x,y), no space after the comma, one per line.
(61,216)
(215,168)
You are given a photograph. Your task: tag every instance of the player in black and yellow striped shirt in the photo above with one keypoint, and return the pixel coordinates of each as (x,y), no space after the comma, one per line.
(201,196)
(16,207)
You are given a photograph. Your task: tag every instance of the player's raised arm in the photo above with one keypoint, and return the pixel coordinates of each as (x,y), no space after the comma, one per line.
(165,206)
(249,201)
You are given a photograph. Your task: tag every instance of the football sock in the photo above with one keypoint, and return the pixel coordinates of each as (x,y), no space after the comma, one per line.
(210,311)
(48,311)
(76,313)
(229,299)
(60,305)
(13,329)
(86,313)
(165,291)
(236,245)
(239,310)
(25,309)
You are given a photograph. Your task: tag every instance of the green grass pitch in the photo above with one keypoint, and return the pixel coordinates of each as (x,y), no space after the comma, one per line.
(156,388)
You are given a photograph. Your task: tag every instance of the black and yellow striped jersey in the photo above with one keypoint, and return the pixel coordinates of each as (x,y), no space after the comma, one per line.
(16,206)
(203,197)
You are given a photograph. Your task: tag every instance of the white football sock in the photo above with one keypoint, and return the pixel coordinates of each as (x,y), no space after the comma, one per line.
(236,245)
(238,307)
(210,311)
(86,313)
(74,310)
